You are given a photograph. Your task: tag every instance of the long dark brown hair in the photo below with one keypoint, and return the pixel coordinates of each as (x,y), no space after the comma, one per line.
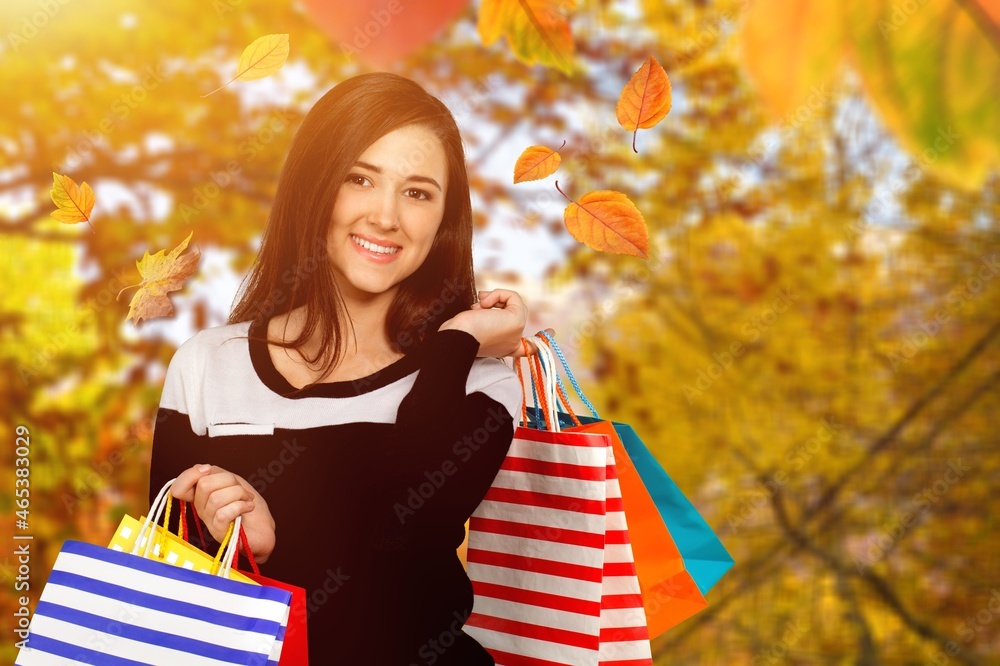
(292,267)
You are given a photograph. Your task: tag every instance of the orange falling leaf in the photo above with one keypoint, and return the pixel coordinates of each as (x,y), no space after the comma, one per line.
(74,204)
(263,57)
(608,221)
(645,99)
(160,275)
(536,162)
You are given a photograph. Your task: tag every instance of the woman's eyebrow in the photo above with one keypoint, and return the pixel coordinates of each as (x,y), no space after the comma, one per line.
(421,179)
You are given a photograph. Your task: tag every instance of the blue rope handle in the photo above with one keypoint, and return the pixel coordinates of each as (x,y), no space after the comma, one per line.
(569,373)
(556,373)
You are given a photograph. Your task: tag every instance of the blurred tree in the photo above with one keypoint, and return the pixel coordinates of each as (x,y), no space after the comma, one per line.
(811,347)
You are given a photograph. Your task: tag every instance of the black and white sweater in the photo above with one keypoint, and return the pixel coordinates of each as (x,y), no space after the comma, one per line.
(370,481)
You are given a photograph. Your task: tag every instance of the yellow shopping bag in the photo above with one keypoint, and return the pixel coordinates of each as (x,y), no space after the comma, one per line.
(174,551)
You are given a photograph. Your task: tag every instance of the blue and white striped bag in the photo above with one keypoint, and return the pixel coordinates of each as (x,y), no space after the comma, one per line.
(101,606)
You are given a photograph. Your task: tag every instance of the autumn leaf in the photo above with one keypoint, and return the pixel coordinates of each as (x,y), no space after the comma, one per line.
(400,31)
(536,162)
(263,57)
(645,100)
(74,203)
(537,30)
(791,48)
(608,221)
(915,65)
(160,275)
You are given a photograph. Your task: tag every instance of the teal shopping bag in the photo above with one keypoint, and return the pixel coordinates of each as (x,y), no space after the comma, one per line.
(705,558)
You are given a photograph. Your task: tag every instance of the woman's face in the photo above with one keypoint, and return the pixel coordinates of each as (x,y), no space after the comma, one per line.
(392,200)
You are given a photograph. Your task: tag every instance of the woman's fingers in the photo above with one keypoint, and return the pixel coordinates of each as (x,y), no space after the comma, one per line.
(183,488)
(533,343)
(501,297)
(228,496)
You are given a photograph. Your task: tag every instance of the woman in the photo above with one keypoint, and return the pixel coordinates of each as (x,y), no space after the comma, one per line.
(351,404)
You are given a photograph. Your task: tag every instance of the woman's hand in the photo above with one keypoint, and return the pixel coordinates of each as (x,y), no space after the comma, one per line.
(219,496)
(497,321)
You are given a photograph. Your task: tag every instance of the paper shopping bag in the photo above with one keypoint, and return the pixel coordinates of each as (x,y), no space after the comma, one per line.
(549,555)
(670,594)
(101,606)
(675,568)
(175,551)
(704,555)
(295,640)
(536,551)
(294,649)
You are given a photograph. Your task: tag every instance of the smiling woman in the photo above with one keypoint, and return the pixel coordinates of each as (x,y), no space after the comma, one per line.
(357,343)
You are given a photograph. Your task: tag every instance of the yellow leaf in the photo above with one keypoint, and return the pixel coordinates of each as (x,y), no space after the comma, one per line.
(646,98)
(608,221)
(263,57)
(74,203)
(160,275)
(535,163)
(537,30)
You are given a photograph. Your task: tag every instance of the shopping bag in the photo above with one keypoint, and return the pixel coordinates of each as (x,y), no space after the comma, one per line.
(704,555)
(670,593)
(175,550)
(102,606)
(295,640)
(651,497)
(294,636)
(549,556)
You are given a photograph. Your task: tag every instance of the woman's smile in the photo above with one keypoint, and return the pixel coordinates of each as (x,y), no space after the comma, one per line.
(375,253)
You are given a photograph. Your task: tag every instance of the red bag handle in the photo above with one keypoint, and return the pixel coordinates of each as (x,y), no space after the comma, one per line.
(201,535)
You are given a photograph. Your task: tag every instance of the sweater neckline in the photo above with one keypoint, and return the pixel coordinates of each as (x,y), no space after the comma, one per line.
(263,366)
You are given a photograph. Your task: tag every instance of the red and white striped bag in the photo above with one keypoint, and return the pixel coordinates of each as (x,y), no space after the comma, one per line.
(549,556)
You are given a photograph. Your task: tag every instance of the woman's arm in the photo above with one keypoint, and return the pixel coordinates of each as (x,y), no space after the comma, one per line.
(445,447)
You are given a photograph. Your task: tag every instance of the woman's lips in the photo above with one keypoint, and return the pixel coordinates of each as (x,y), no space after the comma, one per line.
(375,257)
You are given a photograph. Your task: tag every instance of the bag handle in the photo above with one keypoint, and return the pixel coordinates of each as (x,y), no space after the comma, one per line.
(540,402)
(559,387)
(164,500)
(569,373)
(544,375)
(201,535)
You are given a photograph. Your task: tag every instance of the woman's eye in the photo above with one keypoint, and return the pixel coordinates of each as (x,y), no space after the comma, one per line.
(359,180)
(426,196)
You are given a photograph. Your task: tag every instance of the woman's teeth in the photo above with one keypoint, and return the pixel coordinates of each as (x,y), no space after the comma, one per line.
(374,248)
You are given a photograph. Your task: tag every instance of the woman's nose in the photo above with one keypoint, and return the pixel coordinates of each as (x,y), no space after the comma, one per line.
(384,211)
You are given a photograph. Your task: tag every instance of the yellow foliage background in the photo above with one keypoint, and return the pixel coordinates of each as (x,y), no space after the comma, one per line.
(811,347)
